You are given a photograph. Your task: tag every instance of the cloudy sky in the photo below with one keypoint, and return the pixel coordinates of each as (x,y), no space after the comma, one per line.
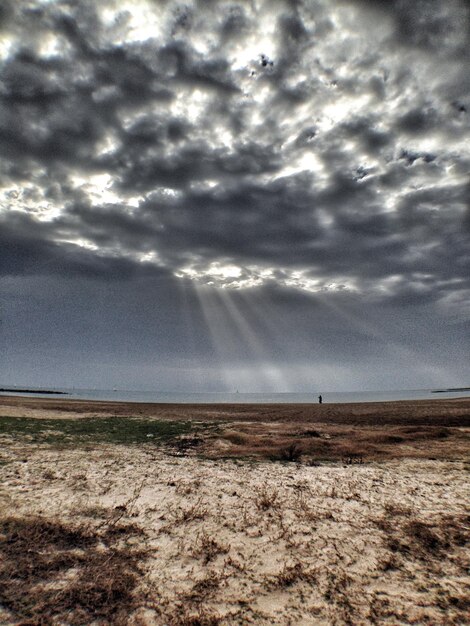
(208,195)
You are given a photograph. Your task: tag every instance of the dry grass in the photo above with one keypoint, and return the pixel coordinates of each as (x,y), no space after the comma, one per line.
(338,594)
(207,548)
(293,573)
(431,541)
(205,586)
(434,546)
(292,453)
(189,513)
(237,542)
(293,442)
(266,498)
(432,429)
(51,572)
(194,617)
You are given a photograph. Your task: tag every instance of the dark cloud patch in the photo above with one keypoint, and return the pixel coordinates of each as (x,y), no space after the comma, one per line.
(31,80)
(426,24)
(182,65)
(410,157)
(255,225)
(417,121)
(29,248)
(430,25)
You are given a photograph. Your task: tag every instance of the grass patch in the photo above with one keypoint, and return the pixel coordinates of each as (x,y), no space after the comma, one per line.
(199,617)
(207,548)
(51,572)
(266,498)
(431,541)
(118,430)
(291,453)
(292,574)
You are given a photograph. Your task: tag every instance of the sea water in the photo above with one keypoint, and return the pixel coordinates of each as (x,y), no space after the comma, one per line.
(240,398)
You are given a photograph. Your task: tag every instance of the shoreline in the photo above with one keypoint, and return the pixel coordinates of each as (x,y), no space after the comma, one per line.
(227,397)
(35,391)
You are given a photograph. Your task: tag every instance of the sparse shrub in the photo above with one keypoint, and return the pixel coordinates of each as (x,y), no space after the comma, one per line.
(195,511)
(185,488)
(207,548)
(186,443)
(291,453)
(354,460)
(266,498)
(309,513)
(237,438)
(426,432)
(291,574)
(311,433)
(313,463)
(204,587)
(338,593)
(96,512)
(413,538)
(392,439)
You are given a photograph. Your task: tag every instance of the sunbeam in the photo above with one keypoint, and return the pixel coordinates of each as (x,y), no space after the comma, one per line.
(397,351)
(228,349)
(191,327)
(274,379)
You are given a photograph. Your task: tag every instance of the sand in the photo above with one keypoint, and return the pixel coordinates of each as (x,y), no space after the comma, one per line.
(370,537)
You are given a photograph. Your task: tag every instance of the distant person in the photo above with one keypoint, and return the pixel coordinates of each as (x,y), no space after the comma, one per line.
(320,399)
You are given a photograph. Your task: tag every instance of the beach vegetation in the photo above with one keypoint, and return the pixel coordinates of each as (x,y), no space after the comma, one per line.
(201,616)
(292,453)
(89,430)
(266,498)
(53,572)
(207,547)
(411,538)
(205,586)
(293,573)
(197,510)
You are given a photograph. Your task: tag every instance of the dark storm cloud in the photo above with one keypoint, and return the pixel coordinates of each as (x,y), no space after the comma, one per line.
(424,24)
(31,250)
(203,145)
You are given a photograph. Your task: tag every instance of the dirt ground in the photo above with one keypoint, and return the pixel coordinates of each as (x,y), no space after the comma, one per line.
(437,412)
(341,514)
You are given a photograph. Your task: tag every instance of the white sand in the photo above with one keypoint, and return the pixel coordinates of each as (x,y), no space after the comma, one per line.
(259,543)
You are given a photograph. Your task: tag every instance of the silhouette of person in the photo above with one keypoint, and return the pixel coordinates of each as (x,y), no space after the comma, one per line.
(320,399)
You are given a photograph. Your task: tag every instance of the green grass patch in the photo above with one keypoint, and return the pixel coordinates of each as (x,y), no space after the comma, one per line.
(118,430)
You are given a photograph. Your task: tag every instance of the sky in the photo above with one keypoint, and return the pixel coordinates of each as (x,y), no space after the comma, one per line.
(254,195)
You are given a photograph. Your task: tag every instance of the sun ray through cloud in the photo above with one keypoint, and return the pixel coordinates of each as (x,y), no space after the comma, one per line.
(293,175)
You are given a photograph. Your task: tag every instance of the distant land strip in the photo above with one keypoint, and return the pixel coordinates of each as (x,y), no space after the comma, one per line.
(49,391)
(451,389)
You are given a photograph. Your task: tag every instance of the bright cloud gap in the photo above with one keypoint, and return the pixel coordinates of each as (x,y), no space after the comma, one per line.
(234,277)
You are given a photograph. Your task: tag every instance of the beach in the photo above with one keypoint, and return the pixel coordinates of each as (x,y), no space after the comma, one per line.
(121,513)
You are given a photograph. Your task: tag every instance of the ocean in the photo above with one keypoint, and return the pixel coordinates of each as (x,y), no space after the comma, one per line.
(239,398)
